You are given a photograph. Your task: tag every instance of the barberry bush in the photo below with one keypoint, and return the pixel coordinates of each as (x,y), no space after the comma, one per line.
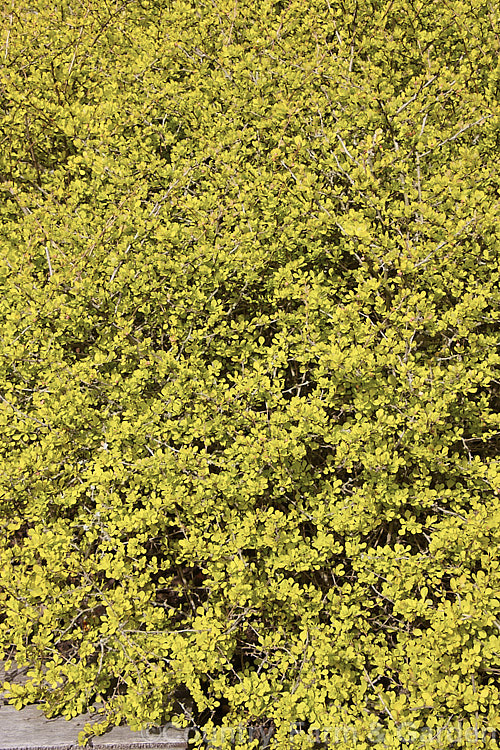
(249,383)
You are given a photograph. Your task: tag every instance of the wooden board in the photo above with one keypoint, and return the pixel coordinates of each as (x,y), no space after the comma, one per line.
(28,729)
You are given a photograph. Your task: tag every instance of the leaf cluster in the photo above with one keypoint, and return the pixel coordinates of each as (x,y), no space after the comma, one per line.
(249,383)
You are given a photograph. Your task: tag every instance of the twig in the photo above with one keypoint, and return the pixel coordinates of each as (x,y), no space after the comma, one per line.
(22,414)
(386,707)
(47,254)
(412,99)
(7,40)
(428,257)
(419,186)
(456,135)
(346,151)
(423,124)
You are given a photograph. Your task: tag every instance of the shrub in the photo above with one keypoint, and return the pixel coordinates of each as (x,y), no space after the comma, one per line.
(249,373)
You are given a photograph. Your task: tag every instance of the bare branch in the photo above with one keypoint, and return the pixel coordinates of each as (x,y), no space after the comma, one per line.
(344,148)
(459,133)
(412,99)
(47,254)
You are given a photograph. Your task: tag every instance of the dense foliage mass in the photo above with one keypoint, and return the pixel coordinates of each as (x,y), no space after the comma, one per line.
(249,380)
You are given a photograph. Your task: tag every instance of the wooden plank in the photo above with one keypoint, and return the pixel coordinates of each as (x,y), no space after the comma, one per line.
(15,674)
(28,729)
